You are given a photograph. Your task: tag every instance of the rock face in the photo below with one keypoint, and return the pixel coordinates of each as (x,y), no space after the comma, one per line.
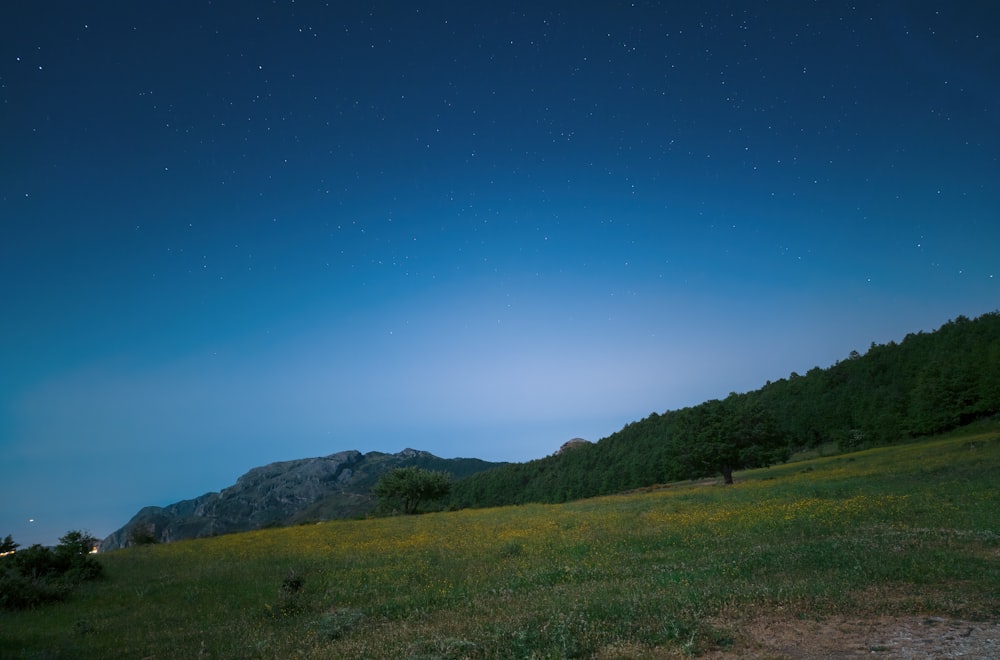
(284,493)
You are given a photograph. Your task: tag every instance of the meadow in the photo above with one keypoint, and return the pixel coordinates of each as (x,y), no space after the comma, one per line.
(910,529)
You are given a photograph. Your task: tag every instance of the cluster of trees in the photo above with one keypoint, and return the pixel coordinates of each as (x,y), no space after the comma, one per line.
(926,384)
(37,574)
(715,438)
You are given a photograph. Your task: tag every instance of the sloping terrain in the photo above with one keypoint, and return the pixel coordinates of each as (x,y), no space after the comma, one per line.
(889,552)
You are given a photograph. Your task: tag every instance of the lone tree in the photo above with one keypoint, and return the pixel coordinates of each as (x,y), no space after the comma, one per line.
(735,434)
(76,544)
(409,486)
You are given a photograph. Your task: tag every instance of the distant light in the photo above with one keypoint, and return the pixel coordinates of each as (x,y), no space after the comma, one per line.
(31,520)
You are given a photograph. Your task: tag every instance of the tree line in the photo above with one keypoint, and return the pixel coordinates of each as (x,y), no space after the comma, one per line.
(926,384)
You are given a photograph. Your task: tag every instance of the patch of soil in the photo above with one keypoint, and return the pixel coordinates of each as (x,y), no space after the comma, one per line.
(846,637)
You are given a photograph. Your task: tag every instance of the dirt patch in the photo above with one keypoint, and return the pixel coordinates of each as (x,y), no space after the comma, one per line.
(846,637)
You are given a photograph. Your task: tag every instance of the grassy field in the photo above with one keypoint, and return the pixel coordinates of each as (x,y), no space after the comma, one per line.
(909,529)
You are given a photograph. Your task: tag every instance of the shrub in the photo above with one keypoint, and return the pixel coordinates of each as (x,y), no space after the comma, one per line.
(291,599)
(18,592)
(39,575)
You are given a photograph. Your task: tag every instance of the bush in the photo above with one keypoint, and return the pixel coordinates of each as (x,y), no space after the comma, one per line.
(19,592)
(38,575)
(35,562)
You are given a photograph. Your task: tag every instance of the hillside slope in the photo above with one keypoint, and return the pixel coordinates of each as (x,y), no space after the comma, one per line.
(887,552)
(928,383)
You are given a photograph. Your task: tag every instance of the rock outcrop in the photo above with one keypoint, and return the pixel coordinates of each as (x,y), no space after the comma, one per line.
(573,444)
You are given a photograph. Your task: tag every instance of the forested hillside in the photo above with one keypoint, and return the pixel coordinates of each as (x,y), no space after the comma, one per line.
(928,383)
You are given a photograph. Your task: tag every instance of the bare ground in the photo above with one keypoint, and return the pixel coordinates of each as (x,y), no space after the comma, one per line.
(910,637)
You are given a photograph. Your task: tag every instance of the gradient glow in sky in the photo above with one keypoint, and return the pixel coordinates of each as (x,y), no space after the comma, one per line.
(241,232)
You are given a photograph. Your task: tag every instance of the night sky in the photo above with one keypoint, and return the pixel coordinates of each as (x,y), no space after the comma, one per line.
(242,232)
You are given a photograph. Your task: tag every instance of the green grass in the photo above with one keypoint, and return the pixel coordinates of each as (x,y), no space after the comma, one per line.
(908,529)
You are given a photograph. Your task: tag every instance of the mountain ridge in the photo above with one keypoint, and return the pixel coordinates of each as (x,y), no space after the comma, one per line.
(282,493)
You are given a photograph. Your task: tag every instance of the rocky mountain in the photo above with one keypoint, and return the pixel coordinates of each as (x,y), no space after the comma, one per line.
(284,493)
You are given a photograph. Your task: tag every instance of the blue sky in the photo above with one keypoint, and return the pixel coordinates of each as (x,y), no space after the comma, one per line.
(243,232)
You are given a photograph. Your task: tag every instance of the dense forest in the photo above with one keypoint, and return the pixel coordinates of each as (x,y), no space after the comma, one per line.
(928,383)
